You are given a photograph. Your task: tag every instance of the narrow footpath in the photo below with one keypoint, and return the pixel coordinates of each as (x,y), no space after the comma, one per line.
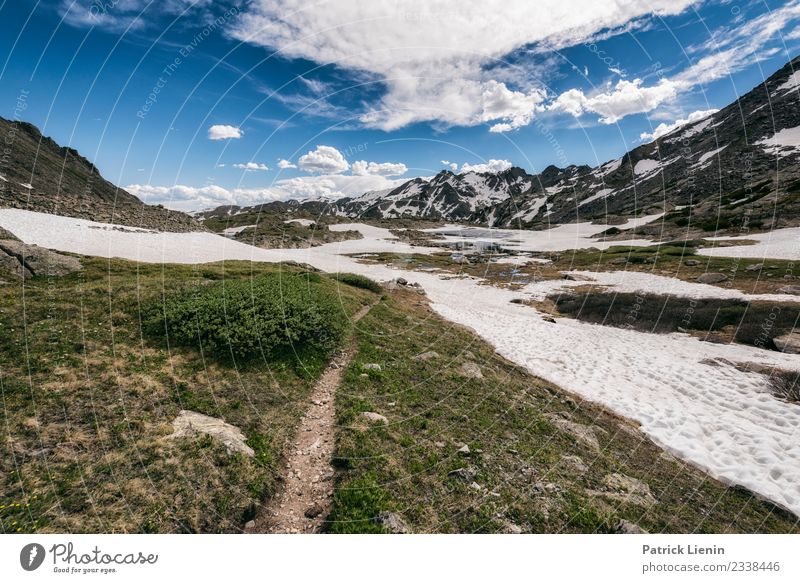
(305,495)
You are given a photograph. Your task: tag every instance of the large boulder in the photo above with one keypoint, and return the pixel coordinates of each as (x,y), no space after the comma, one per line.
(471,370)
(789,343)
(35,260)
(373,417)
(711,278)
(191,424)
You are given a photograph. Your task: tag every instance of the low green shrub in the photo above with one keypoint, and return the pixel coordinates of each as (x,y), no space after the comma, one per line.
(358,281)
(273,315)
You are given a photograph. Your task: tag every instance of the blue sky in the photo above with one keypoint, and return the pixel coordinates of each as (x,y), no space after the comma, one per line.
(194,103)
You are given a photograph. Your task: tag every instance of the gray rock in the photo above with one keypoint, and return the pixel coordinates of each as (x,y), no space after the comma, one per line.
(546,488)
(582,433)
(191,423)
(250,524)
(471,370)
(691,262)
(313,511)
(620,261)
(371,366)
(392,522)
(627,489)
(789,343)
(401,281)
(574,463)
(788,277)
(425,356)
(463,474)
(13,266)
(711,278)
(790,289)
(375,417)
(38,260)
(756,267)
(549,319)
(627,527)
(464,450)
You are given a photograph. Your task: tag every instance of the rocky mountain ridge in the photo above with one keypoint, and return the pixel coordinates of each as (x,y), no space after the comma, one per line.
(38,174)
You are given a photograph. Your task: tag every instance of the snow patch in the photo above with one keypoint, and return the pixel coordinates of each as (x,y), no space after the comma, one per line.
(777,244)
(602,193)
(646,166)
(791,83)
(636,282)
(784,143)
(708,155)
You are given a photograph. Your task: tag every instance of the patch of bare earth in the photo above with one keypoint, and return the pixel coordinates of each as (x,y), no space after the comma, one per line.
(305,494)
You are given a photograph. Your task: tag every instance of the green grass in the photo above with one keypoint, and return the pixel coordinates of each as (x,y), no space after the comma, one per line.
(506,419)
(360,281)
(87,401)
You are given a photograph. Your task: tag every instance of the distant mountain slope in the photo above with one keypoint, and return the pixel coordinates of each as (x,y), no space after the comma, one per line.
(736,168)
(38,174)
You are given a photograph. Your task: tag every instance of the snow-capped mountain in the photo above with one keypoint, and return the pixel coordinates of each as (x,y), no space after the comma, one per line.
(737,168)
(737,165)
(458,197)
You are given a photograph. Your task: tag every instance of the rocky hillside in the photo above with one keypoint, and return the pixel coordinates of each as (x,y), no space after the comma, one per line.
(37,174)
(735,169)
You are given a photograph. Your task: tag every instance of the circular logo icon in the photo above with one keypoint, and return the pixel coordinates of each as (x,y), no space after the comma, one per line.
(31,556)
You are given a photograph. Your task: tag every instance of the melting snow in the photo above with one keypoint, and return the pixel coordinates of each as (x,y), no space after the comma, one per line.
(602,193)
(777,244)
(561,238)
(791,83)
(638,282)
(784,143)
(716,417)
(645,166)
(708,155)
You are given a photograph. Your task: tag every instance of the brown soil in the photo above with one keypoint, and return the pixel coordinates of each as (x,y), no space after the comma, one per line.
(305,494)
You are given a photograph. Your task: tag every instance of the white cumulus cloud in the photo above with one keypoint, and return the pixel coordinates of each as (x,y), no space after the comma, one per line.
(189,198)
(439,62)
(224,132)
(251,166)
(323,160)
(364,168)
(663,129)
(623,99)
(285,164)
(326,186)
(493,166)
